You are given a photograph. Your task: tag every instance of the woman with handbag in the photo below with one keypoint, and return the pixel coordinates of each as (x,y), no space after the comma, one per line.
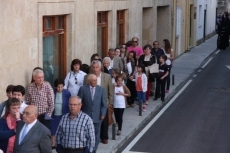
(147,59)
(74,79)
(170,56)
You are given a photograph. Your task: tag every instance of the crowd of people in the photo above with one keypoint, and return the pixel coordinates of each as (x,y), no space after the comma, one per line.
(74,116)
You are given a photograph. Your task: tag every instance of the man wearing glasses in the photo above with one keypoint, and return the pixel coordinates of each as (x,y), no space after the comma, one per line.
(135,47)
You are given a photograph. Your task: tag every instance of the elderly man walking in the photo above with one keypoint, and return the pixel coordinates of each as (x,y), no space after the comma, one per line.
(31,135)
(104,80)
(75,132)
(41,94)
(94,104)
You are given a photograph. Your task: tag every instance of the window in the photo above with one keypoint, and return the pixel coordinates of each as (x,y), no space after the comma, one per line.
(102,33)
(54,47)
(120,27)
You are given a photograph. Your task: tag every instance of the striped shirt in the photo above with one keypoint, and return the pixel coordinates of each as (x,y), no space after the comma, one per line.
(77,132)
(42,98)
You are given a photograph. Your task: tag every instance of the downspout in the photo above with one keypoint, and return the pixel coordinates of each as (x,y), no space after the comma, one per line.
(174,25)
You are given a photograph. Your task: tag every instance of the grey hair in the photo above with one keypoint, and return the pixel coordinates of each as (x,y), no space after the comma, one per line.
(107,59)
(96,62)
(78,98)
(37,71)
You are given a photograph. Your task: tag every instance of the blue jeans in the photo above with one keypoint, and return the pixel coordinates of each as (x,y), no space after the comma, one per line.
(141,96)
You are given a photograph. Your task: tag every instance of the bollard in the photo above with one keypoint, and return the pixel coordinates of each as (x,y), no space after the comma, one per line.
(114,131)
(173,79)
(140,109)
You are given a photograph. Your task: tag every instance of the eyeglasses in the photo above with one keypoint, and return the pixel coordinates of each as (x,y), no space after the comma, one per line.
(134,41)
(75,79)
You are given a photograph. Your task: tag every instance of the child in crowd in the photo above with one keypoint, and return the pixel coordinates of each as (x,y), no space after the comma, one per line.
(61,106)
(161,79)
(19,93)
(115,73)
(9,89)
(141,85)
(120,94)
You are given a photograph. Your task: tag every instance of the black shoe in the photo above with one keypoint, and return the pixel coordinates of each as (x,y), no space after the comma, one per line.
(162,100)
(155,99)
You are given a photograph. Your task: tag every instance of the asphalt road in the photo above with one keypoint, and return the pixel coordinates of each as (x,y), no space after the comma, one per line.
(198,121)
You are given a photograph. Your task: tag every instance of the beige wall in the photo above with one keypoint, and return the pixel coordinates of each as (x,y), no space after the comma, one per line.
(18,43)
(184,41)
(21,31)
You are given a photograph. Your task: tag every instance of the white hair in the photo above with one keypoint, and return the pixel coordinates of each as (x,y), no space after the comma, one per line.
(77,97)
(107,59)
(35,72)
(91,76)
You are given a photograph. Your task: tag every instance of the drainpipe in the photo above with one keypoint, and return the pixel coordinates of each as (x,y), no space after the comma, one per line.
(174,7)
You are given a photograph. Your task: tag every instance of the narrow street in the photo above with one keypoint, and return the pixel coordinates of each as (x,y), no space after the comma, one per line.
(198,120)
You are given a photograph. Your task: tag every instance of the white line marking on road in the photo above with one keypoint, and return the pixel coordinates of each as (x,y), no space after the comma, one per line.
(194,75)
(228,66)
(207,63)
(217,52)
(134,141)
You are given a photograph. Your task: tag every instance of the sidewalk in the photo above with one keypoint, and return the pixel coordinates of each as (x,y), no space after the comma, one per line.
(183,67)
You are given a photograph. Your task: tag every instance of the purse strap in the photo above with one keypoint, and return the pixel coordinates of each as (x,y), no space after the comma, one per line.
(68,81)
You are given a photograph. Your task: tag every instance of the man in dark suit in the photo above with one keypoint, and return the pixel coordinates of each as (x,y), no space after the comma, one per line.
(104,80)
(94,104)
(31,135)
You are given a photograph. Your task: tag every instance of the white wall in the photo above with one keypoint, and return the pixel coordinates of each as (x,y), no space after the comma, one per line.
(210,7)
(200,19)
(211,16)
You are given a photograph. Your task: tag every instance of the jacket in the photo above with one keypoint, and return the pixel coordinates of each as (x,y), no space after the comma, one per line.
(65,101)
(144,81)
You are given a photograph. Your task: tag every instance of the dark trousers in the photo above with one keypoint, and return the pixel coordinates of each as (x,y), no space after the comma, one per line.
(118,113)
(45,122)
(97,130)
(160,89)
(149,86)
(132,88)
(168,79)
(105,127)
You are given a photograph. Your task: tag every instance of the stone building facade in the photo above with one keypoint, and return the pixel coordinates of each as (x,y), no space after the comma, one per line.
(50,33)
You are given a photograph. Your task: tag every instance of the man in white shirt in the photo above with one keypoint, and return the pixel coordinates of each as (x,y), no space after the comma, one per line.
(104,80)
(19,93)
(32,135)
